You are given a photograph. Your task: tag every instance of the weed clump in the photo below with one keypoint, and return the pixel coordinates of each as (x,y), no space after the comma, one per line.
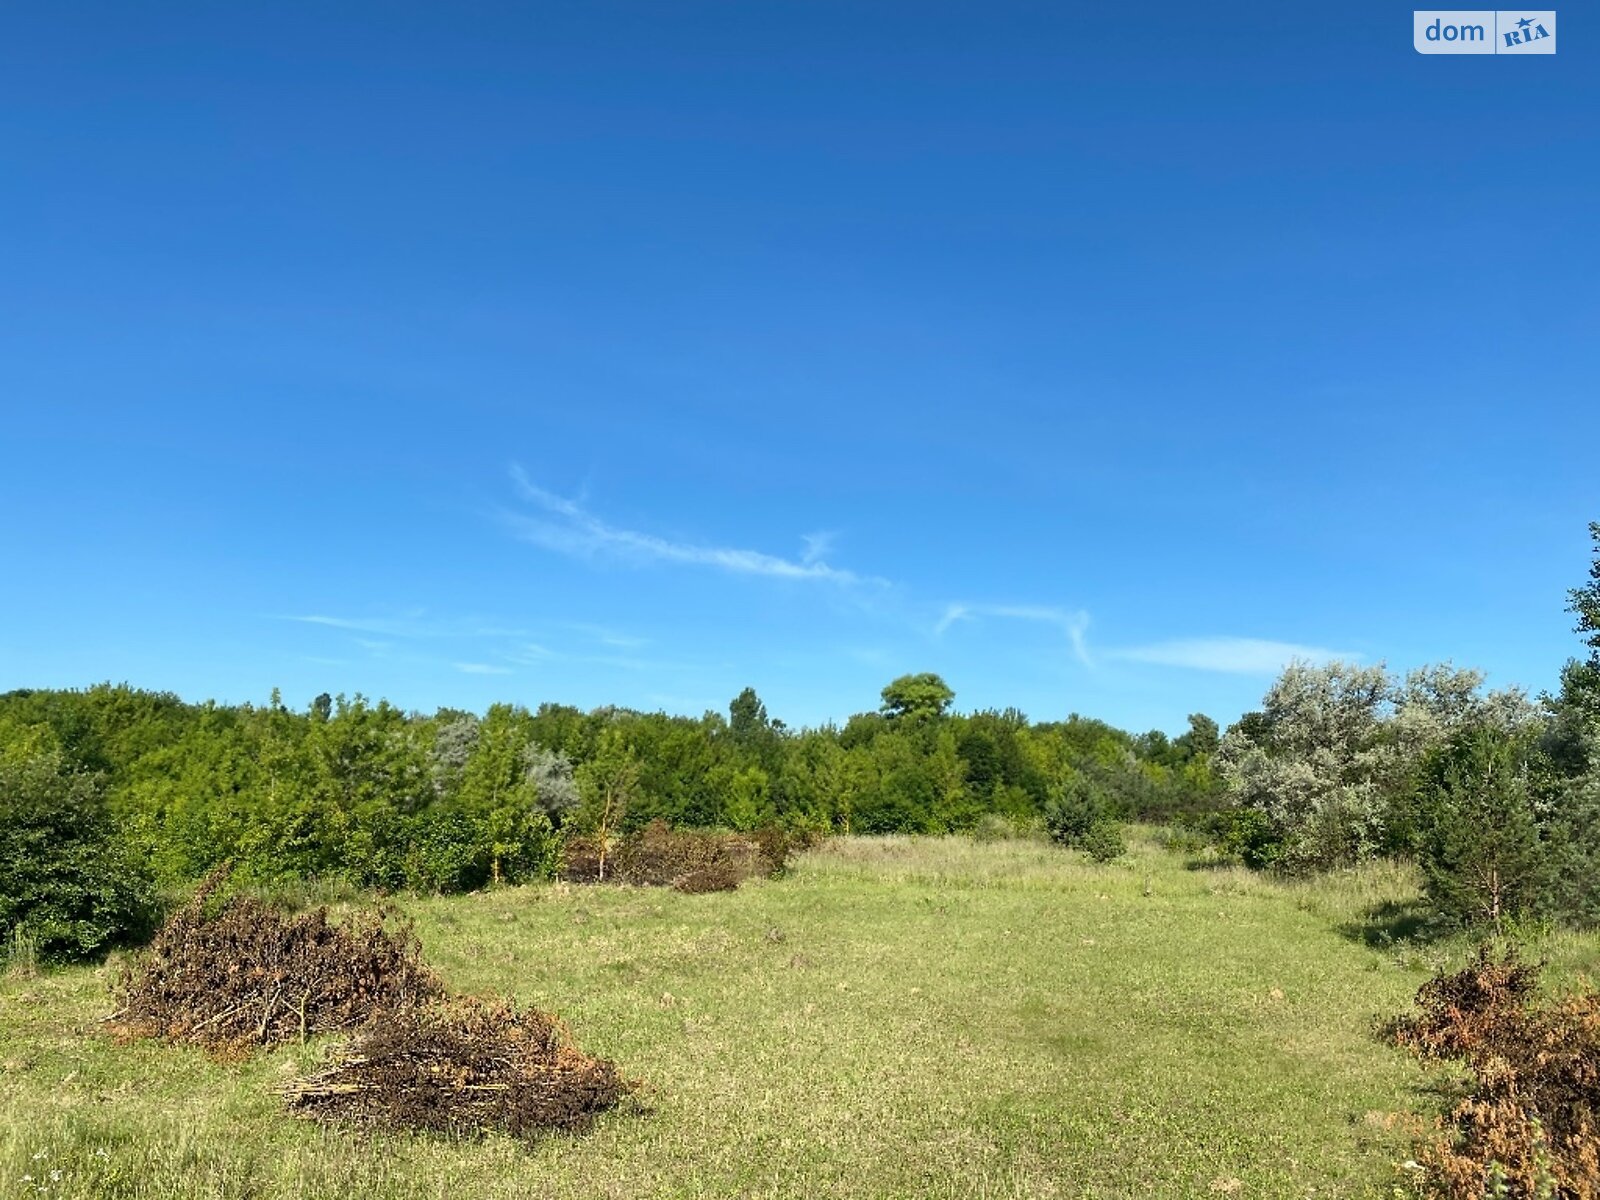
(1527,1126)
(462,1066)
(234,974)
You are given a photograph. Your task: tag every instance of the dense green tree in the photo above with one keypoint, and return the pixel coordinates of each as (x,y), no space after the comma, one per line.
(1571,743)
(1202,740)
(917,697)
(748,723)
(1483,857)
(67,881)
(608,785)
(1074,807)
(748,802)
(1584,602)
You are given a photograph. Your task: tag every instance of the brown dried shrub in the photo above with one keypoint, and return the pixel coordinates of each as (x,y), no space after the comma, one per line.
(720,876)
(778,844)
(1527,1126)
(657,855)
(234,974)
(580,860)
(462,1066)
(691,860)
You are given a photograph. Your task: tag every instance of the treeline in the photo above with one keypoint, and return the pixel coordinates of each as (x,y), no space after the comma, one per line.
(120,785)
(110,793)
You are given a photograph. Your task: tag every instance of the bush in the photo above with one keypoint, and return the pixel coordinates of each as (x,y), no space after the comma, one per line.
(446,853)
(1071,810)
(777,843)
(1249,835)
(721,875)
(67,885)
(1104,842)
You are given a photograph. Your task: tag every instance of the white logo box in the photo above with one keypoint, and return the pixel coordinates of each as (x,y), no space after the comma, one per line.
(1484,31)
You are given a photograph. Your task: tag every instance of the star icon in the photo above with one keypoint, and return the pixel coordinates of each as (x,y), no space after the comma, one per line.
(1524,23)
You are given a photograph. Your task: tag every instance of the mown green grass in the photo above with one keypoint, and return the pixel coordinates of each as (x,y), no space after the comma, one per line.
(898,1017)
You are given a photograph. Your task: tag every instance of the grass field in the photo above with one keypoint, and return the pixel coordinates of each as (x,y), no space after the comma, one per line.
(897,1017)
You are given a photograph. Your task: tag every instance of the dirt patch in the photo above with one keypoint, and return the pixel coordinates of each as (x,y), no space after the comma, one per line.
(462,1066)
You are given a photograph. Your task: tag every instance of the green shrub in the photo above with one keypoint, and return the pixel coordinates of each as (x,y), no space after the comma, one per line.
(1483,859)
(1072,810)
(1249,835)
(446,853)
(1104,841)
(1182,840)
(68,887)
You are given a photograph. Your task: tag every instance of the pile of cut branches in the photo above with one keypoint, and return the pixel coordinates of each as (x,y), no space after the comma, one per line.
(460,1066)
(233,974)
(690,860)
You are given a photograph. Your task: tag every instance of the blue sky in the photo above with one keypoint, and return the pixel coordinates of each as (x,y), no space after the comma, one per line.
(1095,358)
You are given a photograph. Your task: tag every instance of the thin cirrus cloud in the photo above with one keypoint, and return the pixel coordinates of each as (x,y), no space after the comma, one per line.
(414,625)
(566,527)
(531,654)
(1234,655)
(1072,622)
(502,649)
(607,636)
(478,668)
(1229,655)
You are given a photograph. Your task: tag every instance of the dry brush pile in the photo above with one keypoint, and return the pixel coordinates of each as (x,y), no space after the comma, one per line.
(689,860)
(234,975)
(463,1065)
(1526,1128)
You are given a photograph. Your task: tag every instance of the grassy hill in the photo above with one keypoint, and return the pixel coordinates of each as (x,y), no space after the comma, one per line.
(897,1017)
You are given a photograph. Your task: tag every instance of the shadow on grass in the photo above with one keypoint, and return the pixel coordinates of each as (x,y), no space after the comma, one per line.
(1391,923)
(1204,862)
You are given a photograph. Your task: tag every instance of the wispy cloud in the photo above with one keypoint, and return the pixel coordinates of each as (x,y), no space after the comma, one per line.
(1072,622)
(411,625)
(477,668)
(607,636)
(487,647)
(1235,655)
(568,528)
(818,545)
